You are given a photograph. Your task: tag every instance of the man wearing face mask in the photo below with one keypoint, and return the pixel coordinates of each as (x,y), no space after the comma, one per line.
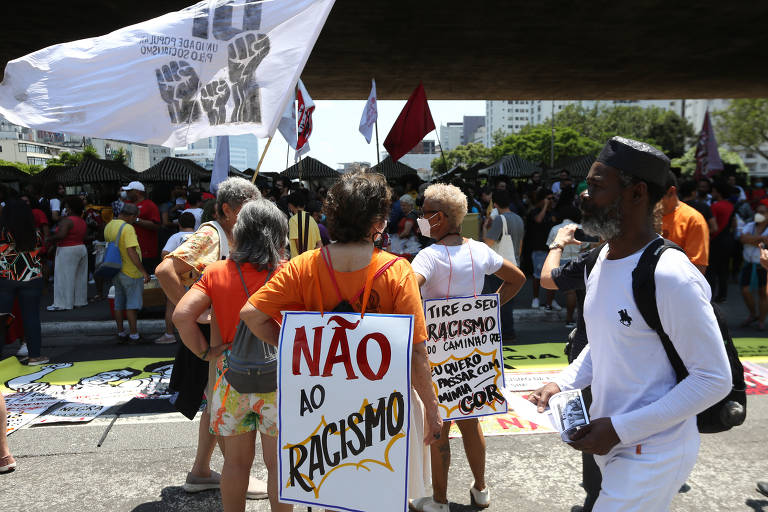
(685,226)
(643,422)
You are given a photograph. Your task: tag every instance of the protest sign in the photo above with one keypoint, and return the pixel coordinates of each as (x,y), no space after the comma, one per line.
(464,347)
(344,410)
(24,408)
(225,67)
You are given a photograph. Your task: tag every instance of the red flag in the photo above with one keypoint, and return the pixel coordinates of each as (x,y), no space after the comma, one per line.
(708,160)
(413,123)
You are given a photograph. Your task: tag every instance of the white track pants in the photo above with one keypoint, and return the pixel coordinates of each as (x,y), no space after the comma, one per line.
(70,277)
(648,481)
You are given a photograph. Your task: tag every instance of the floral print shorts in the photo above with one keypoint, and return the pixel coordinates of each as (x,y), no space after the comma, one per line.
(234,413)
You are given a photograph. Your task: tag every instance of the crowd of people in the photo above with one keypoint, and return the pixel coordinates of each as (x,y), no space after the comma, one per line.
(247,254)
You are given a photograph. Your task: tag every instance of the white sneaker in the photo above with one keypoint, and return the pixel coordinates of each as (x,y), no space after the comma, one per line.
(23,352)
(165,339)
(535,303)
(427,504)
(556,306)
(480,499)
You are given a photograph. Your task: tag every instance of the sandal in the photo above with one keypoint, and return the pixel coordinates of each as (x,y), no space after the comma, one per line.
(96,298)
(7,464)
(749,321)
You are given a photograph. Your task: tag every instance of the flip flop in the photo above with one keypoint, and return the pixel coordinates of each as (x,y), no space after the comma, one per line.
(7,464)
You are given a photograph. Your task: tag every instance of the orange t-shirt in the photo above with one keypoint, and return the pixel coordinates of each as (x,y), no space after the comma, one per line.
(221,282)
(304,284)
(688,229)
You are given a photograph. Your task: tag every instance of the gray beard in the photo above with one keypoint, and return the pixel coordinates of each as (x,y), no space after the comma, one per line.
(604,224)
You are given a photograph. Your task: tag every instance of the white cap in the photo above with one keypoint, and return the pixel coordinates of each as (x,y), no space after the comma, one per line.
(134,185)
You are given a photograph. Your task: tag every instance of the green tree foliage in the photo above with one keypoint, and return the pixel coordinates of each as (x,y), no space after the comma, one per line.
(90,152)
(29,169)
(687,162)
(744,125)
(661,128)
(66,158)
(534,144)
(465,155)
(120,156)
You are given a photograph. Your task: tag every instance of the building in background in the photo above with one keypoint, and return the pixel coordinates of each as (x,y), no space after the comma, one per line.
(36,147)
(243,152)
(452,135)
(345,167)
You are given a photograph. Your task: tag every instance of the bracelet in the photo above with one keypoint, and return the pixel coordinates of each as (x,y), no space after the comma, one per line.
(205,353)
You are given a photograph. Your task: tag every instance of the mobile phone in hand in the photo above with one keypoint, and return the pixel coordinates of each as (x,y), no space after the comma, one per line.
(581,236)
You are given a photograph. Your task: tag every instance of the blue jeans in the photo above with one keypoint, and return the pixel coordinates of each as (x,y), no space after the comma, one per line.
(492,283)
(29,294)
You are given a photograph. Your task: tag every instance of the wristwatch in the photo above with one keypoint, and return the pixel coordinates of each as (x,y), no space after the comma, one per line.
(556,245)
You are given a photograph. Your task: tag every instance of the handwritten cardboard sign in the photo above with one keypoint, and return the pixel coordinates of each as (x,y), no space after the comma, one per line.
(344,410)
(464,347)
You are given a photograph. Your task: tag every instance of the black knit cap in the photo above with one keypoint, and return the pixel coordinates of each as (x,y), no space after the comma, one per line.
(636,159)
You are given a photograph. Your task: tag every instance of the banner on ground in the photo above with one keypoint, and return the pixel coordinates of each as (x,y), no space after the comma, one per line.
(344,410)
(219,67)
(77,392)
(24,408)
(464,348)
(535,357)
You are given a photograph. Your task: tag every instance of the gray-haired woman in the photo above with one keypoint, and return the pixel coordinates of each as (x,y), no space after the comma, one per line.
(259,237)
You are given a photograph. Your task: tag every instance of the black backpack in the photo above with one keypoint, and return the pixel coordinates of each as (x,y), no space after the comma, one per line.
(729,412)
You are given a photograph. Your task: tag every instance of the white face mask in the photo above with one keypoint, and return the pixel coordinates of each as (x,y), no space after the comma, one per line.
(759,218)
(424,226)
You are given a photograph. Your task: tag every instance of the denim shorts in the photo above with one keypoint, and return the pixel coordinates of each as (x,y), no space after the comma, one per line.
(538,258)
(129,292)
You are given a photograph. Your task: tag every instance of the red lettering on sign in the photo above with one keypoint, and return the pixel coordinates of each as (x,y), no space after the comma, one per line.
(301,348)
(362,356)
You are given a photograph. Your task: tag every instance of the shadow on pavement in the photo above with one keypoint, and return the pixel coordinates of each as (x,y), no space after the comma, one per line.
(757,505)
(173,499)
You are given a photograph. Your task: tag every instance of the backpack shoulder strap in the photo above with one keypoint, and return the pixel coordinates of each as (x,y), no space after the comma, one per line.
(119,232)
(379,272)
(325,255)
(644,292)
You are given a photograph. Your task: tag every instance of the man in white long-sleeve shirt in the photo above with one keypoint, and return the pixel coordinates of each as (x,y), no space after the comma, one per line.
(643,429)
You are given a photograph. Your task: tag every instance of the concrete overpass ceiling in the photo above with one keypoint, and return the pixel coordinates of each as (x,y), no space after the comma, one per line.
(558,49)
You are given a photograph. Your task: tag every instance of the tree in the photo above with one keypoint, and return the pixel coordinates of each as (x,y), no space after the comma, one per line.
(465,155)
(744,125)
(27,168)
(534,144)
(656,126)
(66,158)
(687,162)
(120,156)
(90,152)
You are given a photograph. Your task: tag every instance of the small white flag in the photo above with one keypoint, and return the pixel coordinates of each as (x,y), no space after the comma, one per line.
(287,126)
(370,114)
(220,163)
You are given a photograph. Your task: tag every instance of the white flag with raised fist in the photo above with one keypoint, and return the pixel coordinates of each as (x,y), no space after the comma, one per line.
(219,67)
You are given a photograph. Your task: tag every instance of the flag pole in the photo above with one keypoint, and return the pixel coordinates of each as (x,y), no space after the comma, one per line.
(441,151)
(258,166)
(378,158)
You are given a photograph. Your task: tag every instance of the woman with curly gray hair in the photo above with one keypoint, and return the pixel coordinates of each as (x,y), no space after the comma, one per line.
(455,266)
(260,235)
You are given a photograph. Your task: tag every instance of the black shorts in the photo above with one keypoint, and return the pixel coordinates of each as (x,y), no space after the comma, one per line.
(745,277)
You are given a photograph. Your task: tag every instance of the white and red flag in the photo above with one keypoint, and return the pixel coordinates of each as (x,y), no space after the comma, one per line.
(370,114)
(305,108)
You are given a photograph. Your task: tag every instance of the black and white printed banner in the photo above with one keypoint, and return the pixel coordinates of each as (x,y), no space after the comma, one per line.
(219,67)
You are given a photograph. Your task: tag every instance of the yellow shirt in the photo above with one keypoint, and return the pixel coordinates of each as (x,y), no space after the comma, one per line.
(127,239)
(313,236)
